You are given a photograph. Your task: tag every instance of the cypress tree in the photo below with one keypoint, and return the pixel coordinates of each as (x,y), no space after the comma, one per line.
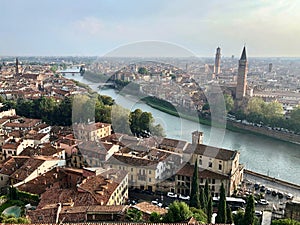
(209,209)
(221,216)
(203,201)
(250,211)
(195,201)
(206,190)
(229,216)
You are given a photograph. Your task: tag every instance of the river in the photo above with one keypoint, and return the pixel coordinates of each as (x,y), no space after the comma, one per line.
(261,154)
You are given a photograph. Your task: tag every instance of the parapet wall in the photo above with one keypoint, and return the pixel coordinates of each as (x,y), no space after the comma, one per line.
(295,138)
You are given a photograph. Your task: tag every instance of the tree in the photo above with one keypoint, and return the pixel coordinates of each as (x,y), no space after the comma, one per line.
(134,215)
(229,219)
(285,222)
(209,210)
(10,219)
(250,211)
(221,216)
(13,193)
(195,195)
(202,199)
(229,103)
(177,212)
(206,190)
(199,215)
(238,218)
(142,70)
(142,124)
(155,217)
(134,119)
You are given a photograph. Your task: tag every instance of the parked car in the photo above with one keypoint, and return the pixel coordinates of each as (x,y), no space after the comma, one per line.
(268,191)
(154,202)
(184,197)
(263,202)
(280,195)
(160,204)
(274,193)
(256,186)
(258,213)
(262,188)
(171,195)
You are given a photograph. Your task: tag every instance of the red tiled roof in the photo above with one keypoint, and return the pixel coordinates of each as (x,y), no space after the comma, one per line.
(12,164)
(210,151)
(149,208)
(27,168)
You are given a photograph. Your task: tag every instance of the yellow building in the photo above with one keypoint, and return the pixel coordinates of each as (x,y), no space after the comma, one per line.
(143,173)
(92,131)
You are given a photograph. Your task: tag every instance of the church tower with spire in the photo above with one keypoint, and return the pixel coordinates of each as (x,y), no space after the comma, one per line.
(242,77)
(217,68)
(17,66)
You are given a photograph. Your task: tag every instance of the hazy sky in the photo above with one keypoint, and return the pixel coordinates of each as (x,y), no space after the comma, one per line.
(95,27)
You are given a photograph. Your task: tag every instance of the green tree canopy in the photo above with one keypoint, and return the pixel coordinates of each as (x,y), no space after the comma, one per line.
(178,212)
(209,210)
(142,70)
(285,222)
(250,211)
(155,217)
(221,215)
(134,215)
(229,103)
(199,215)
(195,191)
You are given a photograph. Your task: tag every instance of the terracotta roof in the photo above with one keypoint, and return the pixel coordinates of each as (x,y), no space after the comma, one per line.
(11,145)
(26,123)
(100,187)
(149,208)
(91,191)
(27,168)
(210,151)
(2,121)
(57,193)
(172,143)
(100,148)
(188,171)
(47,215)
(12,164)
(37,136)
(43,150)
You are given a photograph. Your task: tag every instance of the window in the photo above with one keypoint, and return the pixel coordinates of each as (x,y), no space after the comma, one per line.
(131,169)
(200,161)
(149,171)
(213,188)
(210,164)
(220,166)
(149,179)
(213,181)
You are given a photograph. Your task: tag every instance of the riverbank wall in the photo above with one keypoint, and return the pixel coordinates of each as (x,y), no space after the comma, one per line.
(294,138)
(233,126)
(272,179)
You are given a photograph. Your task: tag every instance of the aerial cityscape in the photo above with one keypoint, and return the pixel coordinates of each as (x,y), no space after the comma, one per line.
(142,112)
